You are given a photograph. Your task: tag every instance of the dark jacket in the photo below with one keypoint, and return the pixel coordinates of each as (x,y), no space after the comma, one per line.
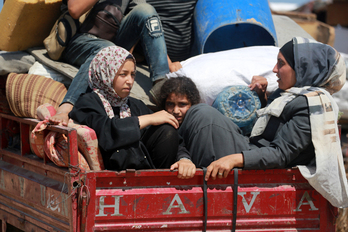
(286,141)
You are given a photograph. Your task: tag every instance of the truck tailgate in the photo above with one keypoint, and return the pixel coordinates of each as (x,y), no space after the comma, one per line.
(153,200)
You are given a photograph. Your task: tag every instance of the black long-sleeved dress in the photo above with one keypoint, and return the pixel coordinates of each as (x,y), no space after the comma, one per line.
(119,140)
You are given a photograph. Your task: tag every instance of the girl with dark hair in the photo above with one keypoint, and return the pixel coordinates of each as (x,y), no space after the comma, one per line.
(179,91)
(206,132)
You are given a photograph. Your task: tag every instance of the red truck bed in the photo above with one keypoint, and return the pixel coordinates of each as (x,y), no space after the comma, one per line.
(36,195)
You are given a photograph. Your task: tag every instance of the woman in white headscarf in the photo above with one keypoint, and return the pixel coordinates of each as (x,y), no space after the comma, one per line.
(299,127)
(129,134)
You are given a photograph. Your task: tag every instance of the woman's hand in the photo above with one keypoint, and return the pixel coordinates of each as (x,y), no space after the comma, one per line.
(259,85)
(186,169)
(224,165)
(158,118)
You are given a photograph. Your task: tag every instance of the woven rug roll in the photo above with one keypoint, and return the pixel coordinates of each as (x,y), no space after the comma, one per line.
(26,92)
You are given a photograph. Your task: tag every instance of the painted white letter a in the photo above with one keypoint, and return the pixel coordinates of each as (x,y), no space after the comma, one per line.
(179,205)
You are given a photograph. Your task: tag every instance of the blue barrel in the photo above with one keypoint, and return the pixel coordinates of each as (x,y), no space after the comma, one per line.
(227,24)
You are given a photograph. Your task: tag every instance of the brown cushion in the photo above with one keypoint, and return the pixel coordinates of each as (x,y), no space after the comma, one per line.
(26,92)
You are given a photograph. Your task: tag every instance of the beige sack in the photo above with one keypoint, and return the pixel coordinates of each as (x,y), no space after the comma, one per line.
(26,23)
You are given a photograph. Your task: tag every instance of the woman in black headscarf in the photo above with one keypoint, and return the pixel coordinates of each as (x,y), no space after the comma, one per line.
(299,127)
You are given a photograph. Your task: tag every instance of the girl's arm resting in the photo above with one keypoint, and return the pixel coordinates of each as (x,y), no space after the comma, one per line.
(158,118)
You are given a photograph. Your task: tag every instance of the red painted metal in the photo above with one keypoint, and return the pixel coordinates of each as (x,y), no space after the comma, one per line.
(271,200)
(34,193)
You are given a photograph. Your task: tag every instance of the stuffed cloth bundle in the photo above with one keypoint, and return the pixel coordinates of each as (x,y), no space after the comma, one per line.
(239,104)
(54,145)
(26,92)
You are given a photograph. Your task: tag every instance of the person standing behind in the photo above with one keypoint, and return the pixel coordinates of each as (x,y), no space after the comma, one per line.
(141,24)
(177,20)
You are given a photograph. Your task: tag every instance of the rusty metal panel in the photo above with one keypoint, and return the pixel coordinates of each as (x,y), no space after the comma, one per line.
(34,194)
(33,198)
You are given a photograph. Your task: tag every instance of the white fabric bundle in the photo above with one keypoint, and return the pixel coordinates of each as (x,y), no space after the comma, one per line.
(212,72)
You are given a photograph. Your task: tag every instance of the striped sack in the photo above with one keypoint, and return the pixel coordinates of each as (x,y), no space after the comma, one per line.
(86,138)
(26,92)
(37,133)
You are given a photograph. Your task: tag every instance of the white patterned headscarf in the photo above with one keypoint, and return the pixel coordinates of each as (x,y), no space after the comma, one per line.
(102,72)
(320,71)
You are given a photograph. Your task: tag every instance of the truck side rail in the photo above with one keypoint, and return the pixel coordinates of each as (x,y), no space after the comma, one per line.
(35,194)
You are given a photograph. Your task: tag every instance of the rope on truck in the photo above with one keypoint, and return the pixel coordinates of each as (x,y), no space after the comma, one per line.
(79,173)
